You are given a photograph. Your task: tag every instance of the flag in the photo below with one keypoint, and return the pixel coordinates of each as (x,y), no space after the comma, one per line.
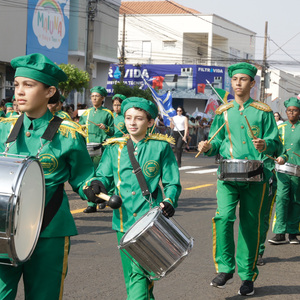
(164,103)
(227,97)
(211,106)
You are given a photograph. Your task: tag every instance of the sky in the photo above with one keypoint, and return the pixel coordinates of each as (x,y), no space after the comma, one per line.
(283,25)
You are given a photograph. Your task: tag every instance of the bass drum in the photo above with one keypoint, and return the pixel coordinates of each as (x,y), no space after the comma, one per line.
(22,201)
(156,243)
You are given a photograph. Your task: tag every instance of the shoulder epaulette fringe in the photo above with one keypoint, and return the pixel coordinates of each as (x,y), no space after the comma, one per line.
(69,127)
(114,140)
(11,120)
(161,137)
(223,108)
(261,106)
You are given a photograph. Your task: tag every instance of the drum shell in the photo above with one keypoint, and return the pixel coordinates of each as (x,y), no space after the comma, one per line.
(160,247)
(239,166)
(288,168)
(12,189)
(94,149)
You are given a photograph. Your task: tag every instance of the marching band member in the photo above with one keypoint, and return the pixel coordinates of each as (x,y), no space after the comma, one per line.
(287,217)
(237,141)
(65,158)
(99,124)
(119,122)
(157,162)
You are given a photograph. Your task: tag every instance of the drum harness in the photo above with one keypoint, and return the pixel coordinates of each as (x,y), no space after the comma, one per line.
(139,175)
(54,203)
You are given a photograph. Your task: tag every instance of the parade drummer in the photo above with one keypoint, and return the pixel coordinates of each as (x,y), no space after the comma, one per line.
(99,125)
(157,162)
(287,217)
(119,122)
(56,109)
(235,141)
(65,158)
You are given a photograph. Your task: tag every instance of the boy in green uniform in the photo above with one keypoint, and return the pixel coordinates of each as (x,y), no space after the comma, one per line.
(9,110)
(157,162)
(99,125)
(235,141)
(287,217)
(119,123)
(64,158)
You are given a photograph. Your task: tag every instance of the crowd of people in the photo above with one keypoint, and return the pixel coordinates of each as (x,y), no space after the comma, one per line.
(118,152)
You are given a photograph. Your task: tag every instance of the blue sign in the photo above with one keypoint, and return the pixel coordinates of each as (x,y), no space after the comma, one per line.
(48,29)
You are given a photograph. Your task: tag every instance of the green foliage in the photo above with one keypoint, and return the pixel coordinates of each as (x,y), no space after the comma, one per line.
(135,91)
(77,79)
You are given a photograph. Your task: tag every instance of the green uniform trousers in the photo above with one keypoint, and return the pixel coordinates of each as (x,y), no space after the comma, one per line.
(268,214)
(252,198)
(138,286)
(287,217)
(43,274)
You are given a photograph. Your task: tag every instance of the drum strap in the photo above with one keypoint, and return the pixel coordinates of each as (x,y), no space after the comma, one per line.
(249,174)
(53,206)
(15,131)
(137,169)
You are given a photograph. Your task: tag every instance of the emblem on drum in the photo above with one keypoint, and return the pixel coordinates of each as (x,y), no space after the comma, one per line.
(255,129)
(49,163)
(151,168)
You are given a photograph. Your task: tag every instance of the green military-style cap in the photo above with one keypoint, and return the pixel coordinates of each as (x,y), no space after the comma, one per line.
(142,103)
(40,68)
(100,90)
(62,99)
(293,101)
(8,104)
(242,68)
(122,97)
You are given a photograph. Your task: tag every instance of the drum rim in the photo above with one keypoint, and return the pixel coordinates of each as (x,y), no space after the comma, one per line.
(242,160)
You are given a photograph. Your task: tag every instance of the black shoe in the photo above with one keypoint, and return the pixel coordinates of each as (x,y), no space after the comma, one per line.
(247,288)
(102,205)
(293,239)
(90,209)
(278,239)
(221,280)
(260,261)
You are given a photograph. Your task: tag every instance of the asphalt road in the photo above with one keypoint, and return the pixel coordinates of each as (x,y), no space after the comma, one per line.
(95,270)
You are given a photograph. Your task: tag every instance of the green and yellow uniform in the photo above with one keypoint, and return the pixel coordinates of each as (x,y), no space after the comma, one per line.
(63,115)
(119,123)
(11,114)
(287,217)
(234,141)
(158,162)
(2,114)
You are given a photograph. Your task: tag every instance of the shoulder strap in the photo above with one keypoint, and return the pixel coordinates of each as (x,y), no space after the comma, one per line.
(52,128)
(137,169)
(15,131)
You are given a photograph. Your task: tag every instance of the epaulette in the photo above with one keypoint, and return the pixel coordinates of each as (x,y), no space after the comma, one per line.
(11,120)
(223,108)
(86,112)
(161,137)
(261,106)
(68,126)
(114,140)
(109,111)
(281,125)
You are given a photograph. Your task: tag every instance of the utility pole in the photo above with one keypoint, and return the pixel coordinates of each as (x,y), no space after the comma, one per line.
(89,63)
(122,57)
(264,67)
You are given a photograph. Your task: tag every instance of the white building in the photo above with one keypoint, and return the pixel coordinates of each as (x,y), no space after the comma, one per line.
(164,32)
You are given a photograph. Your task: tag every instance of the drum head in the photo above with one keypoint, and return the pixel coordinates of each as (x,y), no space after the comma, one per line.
(141,225)
(29,209)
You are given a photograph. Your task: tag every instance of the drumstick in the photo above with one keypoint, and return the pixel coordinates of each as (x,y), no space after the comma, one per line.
(271,157)
(119,128)
(93,122)
(296,154)
(211,138)
(288,149)
(254,137)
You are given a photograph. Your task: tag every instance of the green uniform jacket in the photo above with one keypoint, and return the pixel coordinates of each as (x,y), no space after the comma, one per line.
(119,125)
(2,114)
(234,141)
(156,158)
(64,159)
(11,114)
(290,138)
(100,115)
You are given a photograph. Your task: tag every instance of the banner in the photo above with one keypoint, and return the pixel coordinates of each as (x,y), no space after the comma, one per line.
(48,29)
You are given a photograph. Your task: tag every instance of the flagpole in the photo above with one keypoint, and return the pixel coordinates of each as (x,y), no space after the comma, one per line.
(215,92)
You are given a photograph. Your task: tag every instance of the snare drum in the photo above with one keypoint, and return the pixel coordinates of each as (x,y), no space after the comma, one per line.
(289,169)
(241,170)
(156,243)
(94,149)
(22,201)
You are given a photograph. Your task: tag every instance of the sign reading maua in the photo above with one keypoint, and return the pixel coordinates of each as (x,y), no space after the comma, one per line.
(47,28)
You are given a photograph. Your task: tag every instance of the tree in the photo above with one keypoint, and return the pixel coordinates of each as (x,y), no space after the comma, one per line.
(77,79)
(135,91)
